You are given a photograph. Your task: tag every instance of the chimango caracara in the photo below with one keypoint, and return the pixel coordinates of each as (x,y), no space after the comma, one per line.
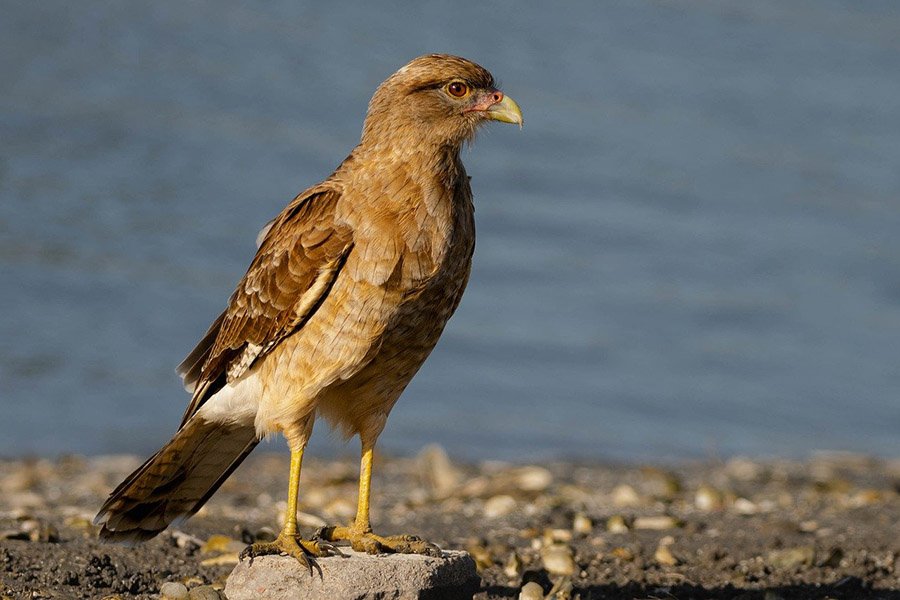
(348,293)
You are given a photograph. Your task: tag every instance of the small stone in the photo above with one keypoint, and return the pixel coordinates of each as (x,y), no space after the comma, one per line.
(656,522)
(624,496)
(533,479)
(809,526)
(39,531)
(745,507)
(186,540)
(555,536)
(582,524)
(622,553)
(558,559)
(664,556)
(708,498)
(531,591)
(204,592)
(743,469)
(357,575)
(172,590)
(499,506)
(660,484)
(617,524)
(305,519)
(438,473)
(792,558)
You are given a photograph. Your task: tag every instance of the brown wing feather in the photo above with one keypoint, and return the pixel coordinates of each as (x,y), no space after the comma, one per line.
(292,273)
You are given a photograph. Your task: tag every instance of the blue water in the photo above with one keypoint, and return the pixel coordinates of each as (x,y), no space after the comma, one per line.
(692,249)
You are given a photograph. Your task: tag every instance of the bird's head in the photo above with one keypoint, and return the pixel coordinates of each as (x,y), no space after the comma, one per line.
(436,99)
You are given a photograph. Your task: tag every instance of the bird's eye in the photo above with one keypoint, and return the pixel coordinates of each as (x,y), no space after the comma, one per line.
(457,89)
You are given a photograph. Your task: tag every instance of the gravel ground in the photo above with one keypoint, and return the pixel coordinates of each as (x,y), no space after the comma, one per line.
(827,527)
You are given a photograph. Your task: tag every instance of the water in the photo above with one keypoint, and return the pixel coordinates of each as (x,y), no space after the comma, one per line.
(691,250)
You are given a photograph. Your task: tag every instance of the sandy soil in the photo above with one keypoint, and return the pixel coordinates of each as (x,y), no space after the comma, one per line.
(826,527)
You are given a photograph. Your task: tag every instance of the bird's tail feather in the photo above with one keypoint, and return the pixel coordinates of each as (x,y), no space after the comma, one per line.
(176,481)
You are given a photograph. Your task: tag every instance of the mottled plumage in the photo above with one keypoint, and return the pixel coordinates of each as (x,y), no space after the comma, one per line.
(352,285)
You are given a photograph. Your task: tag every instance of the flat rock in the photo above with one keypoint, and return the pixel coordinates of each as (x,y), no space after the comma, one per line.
(357,576)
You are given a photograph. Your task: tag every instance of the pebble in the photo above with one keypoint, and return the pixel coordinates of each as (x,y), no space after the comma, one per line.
(656,522)
(172,590)
(624,496)
(558,559)
(743,469)
(745,507)
(554,536)
(622,553)
(809,526)
(439,474)
(204,592)
(661,484)
(582,524)
(617,524)
(791,558)
(305,519)
(186,540)
(664,556)
(531,591)
(533,479)
(708,498)
(499,506)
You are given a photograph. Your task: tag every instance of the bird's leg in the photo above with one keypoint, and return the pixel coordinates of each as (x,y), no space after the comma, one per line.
(360,535)
(289,541)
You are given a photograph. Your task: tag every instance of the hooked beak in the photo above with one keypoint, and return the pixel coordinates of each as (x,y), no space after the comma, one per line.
(506,111)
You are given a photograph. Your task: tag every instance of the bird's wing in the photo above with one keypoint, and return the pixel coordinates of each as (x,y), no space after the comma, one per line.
(294,269)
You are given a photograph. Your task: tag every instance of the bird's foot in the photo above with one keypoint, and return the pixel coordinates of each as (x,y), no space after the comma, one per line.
(305,551)
(368,542)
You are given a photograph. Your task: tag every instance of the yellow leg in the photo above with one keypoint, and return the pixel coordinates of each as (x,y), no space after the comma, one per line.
(362,525)
(290,517)
(360,533)
(288,541)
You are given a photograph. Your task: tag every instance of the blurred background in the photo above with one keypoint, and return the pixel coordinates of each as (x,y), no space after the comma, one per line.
(692,249)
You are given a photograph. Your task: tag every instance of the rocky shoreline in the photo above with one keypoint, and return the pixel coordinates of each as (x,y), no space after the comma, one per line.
(826,527)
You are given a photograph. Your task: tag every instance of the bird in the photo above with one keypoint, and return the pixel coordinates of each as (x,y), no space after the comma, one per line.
(351,286)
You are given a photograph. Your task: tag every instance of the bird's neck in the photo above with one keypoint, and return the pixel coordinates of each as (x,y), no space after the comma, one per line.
(425,163)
